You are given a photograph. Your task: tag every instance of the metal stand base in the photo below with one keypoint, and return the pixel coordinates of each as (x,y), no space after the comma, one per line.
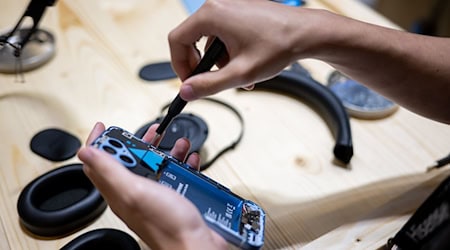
(38,51)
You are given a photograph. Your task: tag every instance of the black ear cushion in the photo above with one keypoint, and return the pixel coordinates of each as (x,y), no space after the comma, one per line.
(55,144)
(105,238)
(185,125)
(59,202)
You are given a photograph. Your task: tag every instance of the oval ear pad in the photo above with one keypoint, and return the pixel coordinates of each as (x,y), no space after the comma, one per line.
(157,72)
(320,97)
(59,202)
(185,125)
(105,238)
(55,144)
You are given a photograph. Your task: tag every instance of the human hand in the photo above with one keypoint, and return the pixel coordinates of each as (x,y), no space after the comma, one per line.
(258,35)
(157,214)
(263,37)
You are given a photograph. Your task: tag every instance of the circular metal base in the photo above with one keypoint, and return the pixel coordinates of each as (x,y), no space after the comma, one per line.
(38,51)
(360,101)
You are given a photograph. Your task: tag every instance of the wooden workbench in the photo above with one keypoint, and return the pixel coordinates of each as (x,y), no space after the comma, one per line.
(284,162)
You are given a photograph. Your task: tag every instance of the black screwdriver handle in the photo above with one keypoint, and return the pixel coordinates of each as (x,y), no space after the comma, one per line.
(211,56)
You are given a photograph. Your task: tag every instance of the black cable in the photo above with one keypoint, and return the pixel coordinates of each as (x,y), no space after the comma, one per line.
(233,144)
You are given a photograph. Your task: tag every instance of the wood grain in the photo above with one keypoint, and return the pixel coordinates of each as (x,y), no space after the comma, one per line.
(284,162)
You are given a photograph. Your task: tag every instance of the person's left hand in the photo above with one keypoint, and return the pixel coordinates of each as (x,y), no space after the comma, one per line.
(157,214)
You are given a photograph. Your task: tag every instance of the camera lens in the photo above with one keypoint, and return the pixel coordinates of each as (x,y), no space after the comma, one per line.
(126,159)
(115,143)
(109,150)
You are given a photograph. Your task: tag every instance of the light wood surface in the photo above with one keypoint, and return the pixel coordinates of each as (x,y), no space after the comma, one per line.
(284,163)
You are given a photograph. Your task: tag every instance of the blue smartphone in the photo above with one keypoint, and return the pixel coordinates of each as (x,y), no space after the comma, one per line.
(240,221)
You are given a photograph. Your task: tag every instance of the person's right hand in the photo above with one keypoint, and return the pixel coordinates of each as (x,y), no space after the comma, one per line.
(258,35)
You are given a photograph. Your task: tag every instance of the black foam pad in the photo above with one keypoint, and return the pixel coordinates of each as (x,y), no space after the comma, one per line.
(55,144)
(59,202)
(157,72)
(105,238)
(185,125)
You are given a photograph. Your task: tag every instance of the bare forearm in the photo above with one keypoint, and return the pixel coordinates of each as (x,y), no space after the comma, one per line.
(410,69)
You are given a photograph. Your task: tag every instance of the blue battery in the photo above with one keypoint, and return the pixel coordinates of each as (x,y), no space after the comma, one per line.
(212,200)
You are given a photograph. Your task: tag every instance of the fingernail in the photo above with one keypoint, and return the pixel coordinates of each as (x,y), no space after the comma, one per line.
(96,125)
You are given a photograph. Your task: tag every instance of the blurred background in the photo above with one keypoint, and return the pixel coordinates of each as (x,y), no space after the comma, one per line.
(429,17)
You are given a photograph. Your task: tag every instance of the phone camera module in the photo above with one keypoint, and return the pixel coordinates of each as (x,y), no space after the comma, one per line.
(126,159)
(109,150)
(115,143)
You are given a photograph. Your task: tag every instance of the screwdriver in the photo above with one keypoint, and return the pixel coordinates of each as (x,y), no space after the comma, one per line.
(212,54)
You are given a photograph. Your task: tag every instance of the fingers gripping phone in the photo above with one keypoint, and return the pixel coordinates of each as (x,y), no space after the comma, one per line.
(241,222)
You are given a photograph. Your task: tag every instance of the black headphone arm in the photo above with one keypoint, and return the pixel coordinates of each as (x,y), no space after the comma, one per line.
(323,100)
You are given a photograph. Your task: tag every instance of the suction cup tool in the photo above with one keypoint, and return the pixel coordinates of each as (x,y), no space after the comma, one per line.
(38,51)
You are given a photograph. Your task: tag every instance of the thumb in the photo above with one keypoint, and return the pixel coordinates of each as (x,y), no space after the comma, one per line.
(107,174)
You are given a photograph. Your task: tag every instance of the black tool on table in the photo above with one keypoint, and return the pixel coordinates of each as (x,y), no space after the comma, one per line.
(429,226)
(208,60)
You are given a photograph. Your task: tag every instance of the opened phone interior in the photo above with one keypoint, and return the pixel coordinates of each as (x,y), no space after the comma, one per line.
(241,222)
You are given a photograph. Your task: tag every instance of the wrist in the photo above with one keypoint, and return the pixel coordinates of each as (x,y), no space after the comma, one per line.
(321,34)
(309,33)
